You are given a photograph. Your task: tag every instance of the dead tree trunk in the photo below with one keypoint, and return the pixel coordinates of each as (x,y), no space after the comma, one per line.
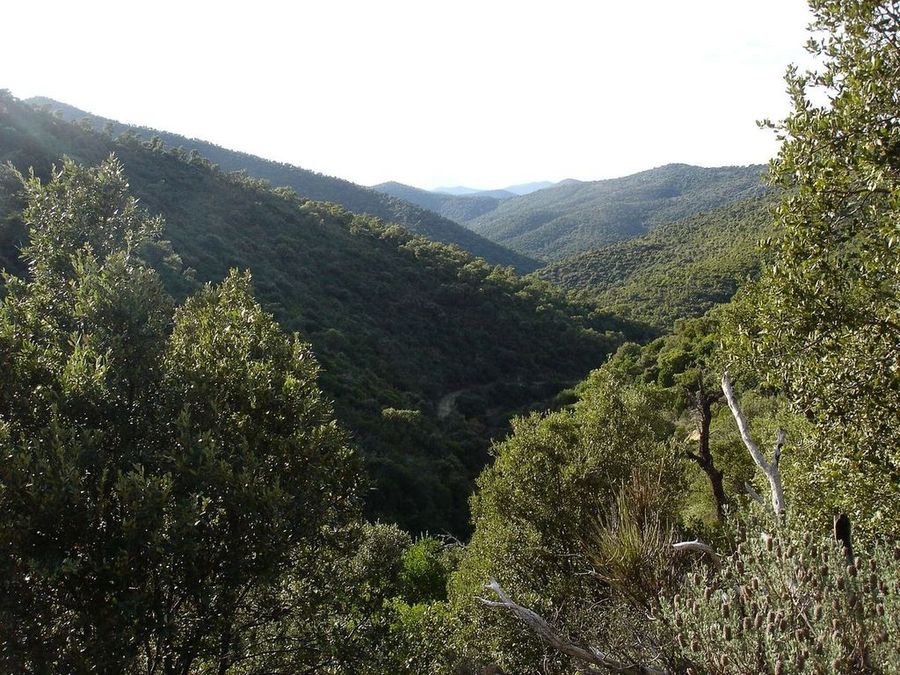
(589,659)
(770,469)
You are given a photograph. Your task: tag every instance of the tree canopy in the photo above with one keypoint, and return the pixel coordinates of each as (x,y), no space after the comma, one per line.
(162,468)
(823,323)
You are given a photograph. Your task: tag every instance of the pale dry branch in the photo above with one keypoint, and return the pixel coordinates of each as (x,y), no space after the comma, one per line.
(695,545)
(590,657)
(769,469)
(754,495)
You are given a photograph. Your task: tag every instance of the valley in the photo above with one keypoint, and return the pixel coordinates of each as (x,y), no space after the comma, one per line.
(257,419)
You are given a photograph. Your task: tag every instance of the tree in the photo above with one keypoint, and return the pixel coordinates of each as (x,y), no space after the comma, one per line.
(162,471)
(684,364)
(537,506)
(824,321)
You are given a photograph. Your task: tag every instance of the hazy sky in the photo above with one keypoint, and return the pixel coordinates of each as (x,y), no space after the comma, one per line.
(426,92)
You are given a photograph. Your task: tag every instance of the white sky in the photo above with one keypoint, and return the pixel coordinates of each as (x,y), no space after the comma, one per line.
(425,92)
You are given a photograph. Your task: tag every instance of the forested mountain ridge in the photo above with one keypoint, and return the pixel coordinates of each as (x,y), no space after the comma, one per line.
(677,270)
(396,321)
(576,216)
(459,208)
(316,186)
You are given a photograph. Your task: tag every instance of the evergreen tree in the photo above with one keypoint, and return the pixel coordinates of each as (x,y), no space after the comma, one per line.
(824,321)
(161,470)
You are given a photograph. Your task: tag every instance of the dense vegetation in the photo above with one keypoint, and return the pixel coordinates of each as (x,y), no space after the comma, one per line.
(315,186)
(808,584)
(823,323)
(396,321)
(176,494)
(574,217)
(140,439)
(678,270)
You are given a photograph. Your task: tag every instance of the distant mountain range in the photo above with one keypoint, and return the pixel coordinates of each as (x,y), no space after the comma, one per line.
(510,191)
(461,204)
(460,207)
(566,219)
(314,186)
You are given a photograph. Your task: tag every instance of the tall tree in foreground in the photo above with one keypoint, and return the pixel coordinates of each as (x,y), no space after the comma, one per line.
(161,470)
(824,321)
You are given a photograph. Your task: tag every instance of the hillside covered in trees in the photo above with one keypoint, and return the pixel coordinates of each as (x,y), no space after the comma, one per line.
(577,216)
(178,494)
(311,185)
(678,270)
(397,322)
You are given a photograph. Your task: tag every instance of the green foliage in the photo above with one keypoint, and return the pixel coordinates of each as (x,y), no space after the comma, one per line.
(823,324)
(12,230)
(427,565)
(679,269)
(161,473)
(536,506)
(789,602)
(63,216)
(678,361)
(631,546)
(573,217)
(378,609)
(335,613)
(396,321)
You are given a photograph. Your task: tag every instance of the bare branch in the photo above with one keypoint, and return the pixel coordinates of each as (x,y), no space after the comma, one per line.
(590,657)
(695,545)
(754,495)
(771,470)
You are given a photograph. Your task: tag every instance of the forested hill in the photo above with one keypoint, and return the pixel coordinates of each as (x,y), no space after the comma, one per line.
(316,186)
(574,217)
(397,321)
(460,208)
(678,270)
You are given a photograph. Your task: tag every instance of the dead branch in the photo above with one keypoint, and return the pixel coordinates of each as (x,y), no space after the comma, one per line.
(695,545)
(770,469)
(754,495)
(591,657)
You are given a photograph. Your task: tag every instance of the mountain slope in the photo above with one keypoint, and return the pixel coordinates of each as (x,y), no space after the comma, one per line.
(573,217)
(459,208)
(396,321)
(316,186)
(678,270)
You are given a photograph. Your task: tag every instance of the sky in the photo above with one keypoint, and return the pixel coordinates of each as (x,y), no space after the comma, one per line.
(431,93)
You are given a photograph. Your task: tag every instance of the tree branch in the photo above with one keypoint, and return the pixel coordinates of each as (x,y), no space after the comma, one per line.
(695,545)
(539,625)
(771,470)
(754,494)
